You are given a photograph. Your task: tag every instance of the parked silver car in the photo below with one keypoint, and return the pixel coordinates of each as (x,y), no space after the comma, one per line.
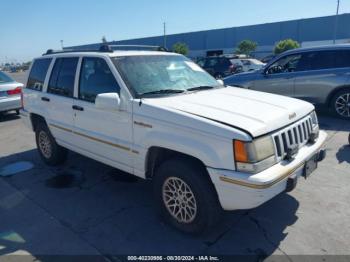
(10,94)
(320,75)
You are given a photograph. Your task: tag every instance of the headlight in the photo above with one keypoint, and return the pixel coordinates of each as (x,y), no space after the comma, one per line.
(256,156)
(314,119)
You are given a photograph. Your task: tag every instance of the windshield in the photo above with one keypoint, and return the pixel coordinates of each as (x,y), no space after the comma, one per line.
(170,73)
(5,78)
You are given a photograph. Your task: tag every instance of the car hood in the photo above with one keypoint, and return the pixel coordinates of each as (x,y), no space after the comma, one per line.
(257,113)
(244,76)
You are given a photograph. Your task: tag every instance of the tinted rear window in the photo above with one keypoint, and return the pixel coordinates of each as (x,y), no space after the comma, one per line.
(317,60)
(38,73)
(5,78)
(342,58)
(63,76)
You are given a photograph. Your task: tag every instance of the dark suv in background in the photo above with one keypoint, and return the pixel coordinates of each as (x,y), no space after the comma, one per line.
(320,75)
(221,66)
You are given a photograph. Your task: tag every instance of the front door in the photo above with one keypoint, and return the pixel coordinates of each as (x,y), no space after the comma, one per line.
(279,77)
(102,133)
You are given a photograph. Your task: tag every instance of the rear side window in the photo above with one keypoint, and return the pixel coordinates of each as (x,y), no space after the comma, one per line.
(317,60)
(63,76)
(225,62)
(38,73)
(342,58)
(96,78)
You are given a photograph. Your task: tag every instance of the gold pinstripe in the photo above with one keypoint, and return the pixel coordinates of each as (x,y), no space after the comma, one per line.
(95,139)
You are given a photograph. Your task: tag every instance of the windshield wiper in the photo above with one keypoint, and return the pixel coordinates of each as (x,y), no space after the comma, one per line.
(200,88)
(163,91)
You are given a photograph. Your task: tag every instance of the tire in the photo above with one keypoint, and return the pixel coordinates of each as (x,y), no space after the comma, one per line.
(50,152)
(340,104)
(203,208)
(17,112)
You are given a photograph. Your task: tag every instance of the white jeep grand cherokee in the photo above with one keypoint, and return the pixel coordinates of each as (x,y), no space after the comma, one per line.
(159,116)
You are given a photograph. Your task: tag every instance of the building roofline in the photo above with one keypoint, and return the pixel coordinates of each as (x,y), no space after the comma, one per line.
(214,29)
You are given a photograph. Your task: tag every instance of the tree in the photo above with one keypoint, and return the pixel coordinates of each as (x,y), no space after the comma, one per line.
(180,48)
(246,47)
(104,40)
(285,45)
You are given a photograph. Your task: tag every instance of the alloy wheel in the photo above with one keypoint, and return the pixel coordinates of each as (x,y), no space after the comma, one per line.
(45,144)
(342,105)
(179,200)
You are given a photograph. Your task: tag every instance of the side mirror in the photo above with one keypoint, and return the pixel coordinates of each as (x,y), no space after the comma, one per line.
(108,101)
(221,82)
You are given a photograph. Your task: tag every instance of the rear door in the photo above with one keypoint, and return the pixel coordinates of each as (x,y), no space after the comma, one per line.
(59,99)
(104,133)
(35,86)
(320,73)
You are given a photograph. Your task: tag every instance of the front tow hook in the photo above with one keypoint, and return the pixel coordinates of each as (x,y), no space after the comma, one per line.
(321,155)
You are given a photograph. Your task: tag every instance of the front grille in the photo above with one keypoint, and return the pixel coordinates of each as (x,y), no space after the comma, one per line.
(296,135)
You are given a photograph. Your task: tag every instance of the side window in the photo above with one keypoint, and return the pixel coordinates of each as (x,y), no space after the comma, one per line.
(96,78)
(225,62)
(246,62)
(289,63)
(38,73)
(318,60)
(62,76)
(212,62)
(342,58)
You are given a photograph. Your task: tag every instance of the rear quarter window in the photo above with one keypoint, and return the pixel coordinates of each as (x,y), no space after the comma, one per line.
(38,73)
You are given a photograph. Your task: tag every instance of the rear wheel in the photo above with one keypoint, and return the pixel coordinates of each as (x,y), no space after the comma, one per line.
(51,153)
(185,197)
(341,104)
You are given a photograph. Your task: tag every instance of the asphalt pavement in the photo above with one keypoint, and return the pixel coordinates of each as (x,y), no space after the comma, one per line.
(87,208)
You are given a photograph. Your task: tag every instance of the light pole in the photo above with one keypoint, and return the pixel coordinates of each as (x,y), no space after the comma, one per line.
(164,39)
(336,23)
(61,44)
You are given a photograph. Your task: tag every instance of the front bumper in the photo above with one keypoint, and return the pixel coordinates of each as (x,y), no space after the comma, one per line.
(10,103)
(238,190)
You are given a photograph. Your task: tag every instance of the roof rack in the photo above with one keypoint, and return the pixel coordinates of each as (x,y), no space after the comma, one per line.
(109,49)
(135,47)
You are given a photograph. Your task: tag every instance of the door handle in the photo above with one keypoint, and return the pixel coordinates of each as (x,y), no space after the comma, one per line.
(45,99)
(78,108)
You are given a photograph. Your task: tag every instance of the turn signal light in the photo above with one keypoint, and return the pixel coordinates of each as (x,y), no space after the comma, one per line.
(240,150)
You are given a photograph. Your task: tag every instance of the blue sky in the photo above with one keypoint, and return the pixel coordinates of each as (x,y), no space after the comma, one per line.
(28,28)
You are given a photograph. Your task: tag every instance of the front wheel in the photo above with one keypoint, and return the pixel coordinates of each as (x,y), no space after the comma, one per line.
(185,196)
(51,153)
(341,104)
